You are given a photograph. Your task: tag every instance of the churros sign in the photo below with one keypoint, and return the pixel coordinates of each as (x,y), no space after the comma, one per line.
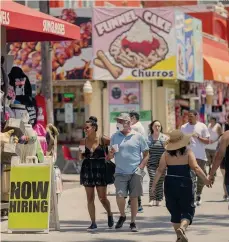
(134,44)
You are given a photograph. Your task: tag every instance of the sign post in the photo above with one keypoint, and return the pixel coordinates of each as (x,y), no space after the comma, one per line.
(32,198)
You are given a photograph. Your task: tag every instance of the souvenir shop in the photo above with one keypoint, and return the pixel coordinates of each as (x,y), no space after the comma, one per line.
(210,98)
(25,135)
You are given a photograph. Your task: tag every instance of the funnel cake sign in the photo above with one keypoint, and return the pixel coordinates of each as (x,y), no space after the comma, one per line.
(134,44)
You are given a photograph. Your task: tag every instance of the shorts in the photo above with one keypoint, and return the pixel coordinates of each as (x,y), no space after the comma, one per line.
(128,185)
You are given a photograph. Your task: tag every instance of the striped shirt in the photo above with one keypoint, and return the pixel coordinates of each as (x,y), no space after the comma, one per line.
(156,149)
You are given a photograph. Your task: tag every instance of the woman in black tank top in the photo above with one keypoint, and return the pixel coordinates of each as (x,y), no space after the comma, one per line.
(178,186)
(93,171)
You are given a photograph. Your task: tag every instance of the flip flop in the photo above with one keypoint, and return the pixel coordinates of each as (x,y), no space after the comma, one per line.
(181,235)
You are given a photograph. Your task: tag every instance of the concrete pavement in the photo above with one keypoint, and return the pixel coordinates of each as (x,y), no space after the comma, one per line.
(211,222)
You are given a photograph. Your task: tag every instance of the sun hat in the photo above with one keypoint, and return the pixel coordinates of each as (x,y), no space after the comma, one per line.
(124,116)
(177,140)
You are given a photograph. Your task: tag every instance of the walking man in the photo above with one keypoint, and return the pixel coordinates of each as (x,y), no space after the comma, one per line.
(131,153)
(137,126)
(200,138)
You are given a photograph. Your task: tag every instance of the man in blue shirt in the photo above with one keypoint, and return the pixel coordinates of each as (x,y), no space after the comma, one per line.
(131,153)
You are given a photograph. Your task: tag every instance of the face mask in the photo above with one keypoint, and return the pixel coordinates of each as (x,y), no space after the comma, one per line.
(120,127)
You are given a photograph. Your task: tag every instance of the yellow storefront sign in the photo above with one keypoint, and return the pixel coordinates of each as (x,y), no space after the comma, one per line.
(29,199)
(165,70)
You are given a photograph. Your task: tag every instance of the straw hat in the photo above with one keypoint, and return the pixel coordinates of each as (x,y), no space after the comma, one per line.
(177,140)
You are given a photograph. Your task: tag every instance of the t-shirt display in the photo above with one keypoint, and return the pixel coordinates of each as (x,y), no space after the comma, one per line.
(23,90)
(41,110)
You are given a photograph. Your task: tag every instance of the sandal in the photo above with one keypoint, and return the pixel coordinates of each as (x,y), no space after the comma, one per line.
(181,235)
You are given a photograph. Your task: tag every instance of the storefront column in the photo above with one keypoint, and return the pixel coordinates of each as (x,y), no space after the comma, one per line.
(146,103)
(154,102)
(165,104)
(95,107)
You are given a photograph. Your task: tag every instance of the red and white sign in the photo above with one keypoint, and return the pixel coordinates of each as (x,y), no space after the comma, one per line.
(53,27)
(4,18)
(29,25)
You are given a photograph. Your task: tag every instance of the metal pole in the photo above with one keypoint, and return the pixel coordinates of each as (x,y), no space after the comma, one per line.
(46,58)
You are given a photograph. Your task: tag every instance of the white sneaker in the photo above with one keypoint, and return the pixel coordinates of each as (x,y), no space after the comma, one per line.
(158,203)
(226,198)
(151,203)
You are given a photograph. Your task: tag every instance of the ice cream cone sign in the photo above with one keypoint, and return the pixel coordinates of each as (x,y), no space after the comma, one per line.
(209,94)
(87,91)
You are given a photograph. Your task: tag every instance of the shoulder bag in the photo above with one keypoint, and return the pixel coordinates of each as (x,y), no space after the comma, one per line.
(110,166)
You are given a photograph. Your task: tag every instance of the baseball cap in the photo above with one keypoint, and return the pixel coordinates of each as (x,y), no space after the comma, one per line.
(124,116)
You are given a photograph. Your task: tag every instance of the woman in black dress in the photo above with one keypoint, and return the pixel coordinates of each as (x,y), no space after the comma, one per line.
(93,170)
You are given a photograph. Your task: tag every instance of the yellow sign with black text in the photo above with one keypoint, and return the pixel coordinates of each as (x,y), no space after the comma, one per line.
(29,198)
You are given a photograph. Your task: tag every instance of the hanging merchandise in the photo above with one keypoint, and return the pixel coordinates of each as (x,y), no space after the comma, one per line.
(52,134)
(41,110)
(4,89)
(23,91)
(20,112)
(8,102)
(41,136)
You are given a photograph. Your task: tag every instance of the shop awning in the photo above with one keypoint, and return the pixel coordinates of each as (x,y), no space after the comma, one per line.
(26,24)
(216,61)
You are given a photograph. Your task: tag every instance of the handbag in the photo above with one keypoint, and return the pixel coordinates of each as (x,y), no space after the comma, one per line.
(110,166)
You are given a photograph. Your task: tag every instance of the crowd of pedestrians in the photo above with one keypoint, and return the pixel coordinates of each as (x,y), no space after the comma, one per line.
(176,163)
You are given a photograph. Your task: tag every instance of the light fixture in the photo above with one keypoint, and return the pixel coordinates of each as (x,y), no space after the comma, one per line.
(87,92)
(209,94)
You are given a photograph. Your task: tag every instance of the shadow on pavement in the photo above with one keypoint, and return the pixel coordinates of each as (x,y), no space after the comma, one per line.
(149,226)
(114,240)
(216,220)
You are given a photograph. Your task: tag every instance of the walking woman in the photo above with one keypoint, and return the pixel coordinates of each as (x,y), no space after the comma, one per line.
(179,192)
(93,171)
(156,142)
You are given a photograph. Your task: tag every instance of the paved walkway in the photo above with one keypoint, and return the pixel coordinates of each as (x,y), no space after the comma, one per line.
(211,221)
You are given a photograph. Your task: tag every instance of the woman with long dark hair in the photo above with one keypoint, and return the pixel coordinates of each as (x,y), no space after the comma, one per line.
(179,192)
(156,141)
(93,171)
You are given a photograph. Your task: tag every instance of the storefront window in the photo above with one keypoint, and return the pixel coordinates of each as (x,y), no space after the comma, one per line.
(69,113)
(29,3)
(212,2)
(87,3)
